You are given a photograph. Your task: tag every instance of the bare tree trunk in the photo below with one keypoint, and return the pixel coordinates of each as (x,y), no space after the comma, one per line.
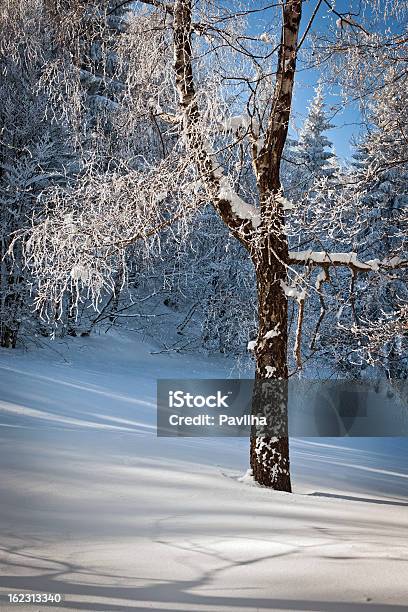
(8,336)
(10,308)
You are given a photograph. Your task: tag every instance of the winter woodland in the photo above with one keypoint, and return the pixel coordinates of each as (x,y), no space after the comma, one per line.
(154,176)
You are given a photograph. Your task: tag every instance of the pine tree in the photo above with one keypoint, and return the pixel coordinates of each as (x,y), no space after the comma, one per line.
(36,151)
(48,132)
(312,155)
(381,176)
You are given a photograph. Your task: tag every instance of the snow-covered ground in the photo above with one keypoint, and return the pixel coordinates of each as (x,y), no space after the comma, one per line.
(95,506)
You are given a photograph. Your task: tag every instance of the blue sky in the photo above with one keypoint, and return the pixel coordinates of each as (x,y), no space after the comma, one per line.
(346,120)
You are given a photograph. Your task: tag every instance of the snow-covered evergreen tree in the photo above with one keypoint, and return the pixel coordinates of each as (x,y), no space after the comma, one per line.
(36,151)
(62,65)
(381,175)
(312,155)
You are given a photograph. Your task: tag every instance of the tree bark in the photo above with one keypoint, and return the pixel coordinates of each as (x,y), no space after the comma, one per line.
(269,455)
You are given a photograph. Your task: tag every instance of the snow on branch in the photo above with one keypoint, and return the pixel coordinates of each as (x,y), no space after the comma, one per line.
(299,294)
(350,259)
(235,123)
(240,126)
(80,244)
(241,209)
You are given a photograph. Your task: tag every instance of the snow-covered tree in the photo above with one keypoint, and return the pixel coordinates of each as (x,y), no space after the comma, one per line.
(62,66)
(210,287)
(225,117)
(312,155)
(381,178)
(36,149)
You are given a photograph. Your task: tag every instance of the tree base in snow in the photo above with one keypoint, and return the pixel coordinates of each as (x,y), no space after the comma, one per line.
(270,462)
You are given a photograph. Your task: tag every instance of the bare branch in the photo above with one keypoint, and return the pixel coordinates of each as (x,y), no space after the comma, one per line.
(309,25)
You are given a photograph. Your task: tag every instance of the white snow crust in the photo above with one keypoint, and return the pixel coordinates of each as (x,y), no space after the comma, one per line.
(95,506)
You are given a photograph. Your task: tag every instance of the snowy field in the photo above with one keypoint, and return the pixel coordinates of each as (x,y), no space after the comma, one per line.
(94,506)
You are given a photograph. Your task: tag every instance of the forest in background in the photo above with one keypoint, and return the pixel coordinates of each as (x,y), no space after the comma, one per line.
(86,123)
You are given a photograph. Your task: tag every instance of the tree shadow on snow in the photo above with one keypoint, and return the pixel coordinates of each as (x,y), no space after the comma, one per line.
(368,500)
(154,595)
